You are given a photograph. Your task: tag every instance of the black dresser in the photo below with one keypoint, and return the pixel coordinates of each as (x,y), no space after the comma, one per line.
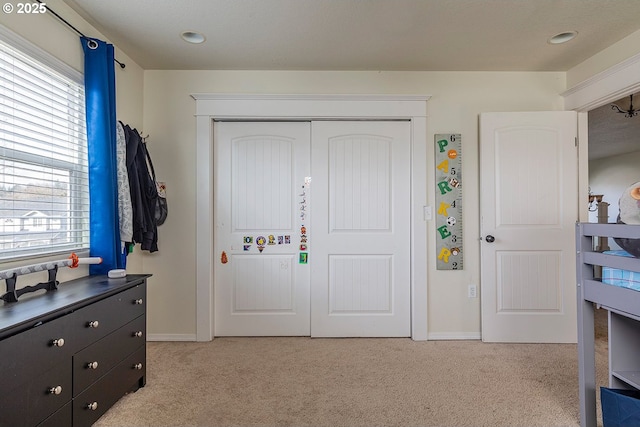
(67,355)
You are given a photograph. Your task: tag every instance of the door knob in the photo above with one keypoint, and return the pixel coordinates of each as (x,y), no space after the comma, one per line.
(490,238)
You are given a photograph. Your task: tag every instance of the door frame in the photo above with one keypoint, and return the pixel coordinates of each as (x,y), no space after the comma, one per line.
(216,107)
(607,86)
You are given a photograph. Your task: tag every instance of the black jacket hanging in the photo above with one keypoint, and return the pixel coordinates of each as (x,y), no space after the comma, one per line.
(144,194)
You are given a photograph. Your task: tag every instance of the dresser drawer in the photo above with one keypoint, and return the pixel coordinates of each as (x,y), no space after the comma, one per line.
(32,401)
(35,350)
(100,319)
(94,402)
(97,359)
(61,418)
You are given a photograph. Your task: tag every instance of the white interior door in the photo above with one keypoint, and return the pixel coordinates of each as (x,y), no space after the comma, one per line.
(360,229)
(261,288)
(528,207)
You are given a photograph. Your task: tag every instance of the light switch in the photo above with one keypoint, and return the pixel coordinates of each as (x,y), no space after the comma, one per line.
(427,213)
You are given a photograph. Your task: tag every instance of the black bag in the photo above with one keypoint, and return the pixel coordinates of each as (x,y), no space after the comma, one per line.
(161,210)
(161,206)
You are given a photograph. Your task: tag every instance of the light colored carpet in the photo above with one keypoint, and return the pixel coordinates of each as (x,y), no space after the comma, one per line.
(355,382)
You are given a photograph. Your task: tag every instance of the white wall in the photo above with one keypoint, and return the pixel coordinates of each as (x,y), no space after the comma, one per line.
(49,34)
(610,177)
(457,99)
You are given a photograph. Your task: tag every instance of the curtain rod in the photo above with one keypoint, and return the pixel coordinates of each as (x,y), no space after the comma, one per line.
(121,64)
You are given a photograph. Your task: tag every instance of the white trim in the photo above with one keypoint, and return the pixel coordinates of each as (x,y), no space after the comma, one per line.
(204,229)
(307,107)
(611,84)
(171,337)
(307,97)
(583,165)
(419,261)
(210,107)
(450,336)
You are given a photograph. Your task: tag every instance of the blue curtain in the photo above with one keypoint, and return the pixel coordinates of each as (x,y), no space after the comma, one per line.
(100,98)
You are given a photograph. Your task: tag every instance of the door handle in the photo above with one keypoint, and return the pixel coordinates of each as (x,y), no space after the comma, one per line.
(490,238)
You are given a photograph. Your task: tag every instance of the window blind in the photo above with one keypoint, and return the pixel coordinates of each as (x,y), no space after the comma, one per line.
(44,200)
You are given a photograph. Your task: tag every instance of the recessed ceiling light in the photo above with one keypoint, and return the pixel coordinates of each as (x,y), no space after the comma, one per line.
(563,37)
(192,37)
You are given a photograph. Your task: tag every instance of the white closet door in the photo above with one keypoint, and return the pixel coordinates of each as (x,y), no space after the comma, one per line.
(360,229)
(261,288)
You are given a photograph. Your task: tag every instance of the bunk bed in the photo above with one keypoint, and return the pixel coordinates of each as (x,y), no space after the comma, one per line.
(623,305)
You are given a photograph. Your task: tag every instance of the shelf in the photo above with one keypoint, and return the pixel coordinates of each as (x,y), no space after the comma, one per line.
(630,377)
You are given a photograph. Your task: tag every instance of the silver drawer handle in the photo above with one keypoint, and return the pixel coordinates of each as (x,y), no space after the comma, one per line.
(137,334)
(139,301)
(94,324)
(55,390)
(138,366)
(58,343)
(92,365)
(93,406)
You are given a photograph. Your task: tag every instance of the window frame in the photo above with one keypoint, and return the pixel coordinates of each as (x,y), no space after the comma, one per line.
(77,203)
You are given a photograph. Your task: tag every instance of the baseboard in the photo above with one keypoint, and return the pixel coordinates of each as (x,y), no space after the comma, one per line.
(432,336)
(171,337)
(454,336)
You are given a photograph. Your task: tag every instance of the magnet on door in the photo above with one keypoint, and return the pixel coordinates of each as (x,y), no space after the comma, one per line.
(223,258)
(261,241)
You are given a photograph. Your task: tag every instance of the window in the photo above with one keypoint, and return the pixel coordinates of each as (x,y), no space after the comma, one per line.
(44,189)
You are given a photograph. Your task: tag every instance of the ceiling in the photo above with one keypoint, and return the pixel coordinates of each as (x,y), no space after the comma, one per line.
(382,35)
(611,133)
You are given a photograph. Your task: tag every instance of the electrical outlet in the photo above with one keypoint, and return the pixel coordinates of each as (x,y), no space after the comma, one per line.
(472,291)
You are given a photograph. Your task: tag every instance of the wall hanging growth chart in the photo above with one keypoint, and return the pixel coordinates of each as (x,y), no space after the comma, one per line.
(448,206)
